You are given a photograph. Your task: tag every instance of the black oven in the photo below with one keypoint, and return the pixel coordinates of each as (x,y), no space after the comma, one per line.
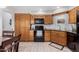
(39,28)
(39,34)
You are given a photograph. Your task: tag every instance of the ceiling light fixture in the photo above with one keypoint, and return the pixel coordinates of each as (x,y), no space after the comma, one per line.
(58,7)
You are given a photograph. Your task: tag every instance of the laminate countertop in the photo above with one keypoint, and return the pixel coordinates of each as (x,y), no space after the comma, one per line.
(61,31)
(55,30)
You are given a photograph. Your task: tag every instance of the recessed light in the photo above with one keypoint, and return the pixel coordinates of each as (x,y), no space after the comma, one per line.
(58,7)
(40,10)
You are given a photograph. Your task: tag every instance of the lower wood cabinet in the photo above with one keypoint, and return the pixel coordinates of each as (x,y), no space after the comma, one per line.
(59,37)
(31,36)
(47,36)
(24,34)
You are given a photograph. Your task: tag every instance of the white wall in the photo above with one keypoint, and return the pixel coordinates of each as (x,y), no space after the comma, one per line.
(58,17)
(0,26)
(0,22)
(6,21)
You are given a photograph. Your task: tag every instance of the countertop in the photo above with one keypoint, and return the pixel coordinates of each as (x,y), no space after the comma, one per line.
(56,30)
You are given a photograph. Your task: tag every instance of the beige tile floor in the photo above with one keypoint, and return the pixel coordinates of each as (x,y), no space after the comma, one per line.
(40,47)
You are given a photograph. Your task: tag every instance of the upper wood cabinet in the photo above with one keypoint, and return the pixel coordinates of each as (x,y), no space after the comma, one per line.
(47,36)
(73,15)
(48,19)
(59,37)
(36,16)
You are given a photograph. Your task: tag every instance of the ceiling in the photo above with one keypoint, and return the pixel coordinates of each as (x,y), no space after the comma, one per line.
(36,9)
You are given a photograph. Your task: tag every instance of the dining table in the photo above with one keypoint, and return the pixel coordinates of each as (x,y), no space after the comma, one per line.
(2,39)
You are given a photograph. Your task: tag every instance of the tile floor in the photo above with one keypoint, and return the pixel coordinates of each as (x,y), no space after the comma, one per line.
(40,47)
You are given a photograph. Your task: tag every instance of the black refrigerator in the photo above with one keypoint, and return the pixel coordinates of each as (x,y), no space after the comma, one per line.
(77,26)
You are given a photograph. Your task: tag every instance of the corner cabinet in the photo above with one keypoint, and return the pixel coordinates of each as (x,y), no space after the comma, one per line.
(59,37)
(73,15)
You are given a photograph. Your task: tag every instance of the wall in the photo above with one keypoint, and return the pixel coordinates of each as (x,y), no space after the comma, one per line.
(60,17)
(0,26)
(66,26)
(6,21)
(0,22)
(12,13)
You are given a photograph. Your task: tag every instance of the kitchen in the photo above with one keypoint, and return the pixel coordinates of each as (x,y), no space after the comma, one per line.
(43,25)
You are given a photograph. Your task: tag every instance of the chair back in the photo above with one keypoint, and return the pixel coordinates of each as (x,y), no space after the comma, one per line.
(8,33)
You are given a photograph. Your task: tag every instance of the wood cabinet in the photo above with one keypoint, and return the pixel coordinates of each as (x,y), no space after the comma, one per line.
(32,19)
(17,24)
(59,37)
(31,38)
(22,26)
(48,19)
(47,36)
(36,16)
(73,15)
(24,34)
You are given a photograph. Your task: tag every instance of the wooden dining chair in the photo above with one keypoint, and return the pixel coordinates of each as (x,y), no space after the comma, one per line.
(15,43)
(11,45)
(8,33)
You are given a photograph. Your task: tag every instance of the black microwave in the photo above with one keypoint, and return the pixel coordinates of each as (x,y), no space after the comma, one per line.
(39,21)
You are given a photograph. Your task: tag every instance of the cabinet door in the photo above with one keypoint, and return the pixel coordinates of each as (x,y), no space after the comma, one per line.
(59,37)
(48,19)
(31,36)
(22,20)
(63,38)
(17,24)
(47,36)
(24,34)
(54,36)
(36,16)
(27,20)
(32,19)
(72,16)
